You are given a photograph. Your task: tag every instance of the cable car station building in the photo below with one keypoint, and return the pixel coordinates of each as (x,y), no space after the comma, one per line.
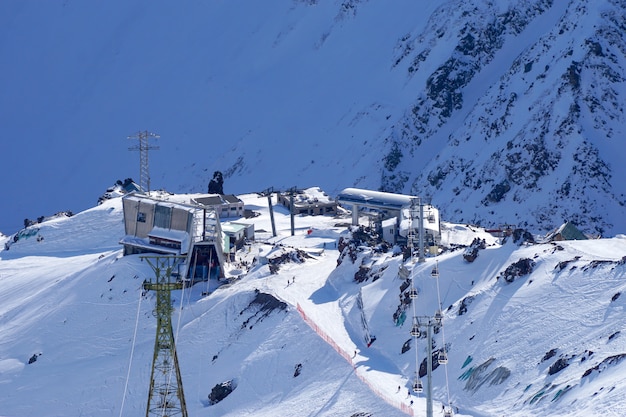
(310,201)
(175,225)
(395,214)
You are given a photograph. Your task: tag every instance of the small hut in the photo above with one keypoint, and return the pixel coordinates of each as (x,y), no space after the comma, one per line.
(567,231)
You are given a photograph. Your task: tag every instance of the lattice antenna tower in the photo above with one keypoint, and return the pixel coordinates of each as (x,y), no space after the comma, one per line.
(166,396)
(143,147)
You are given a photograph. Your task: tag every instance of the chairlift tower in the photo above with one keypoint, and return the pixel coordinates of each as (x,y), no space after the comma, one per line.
(166,397)
(429,323)
(268,193)
(291,193)
(143,147)
(418,202)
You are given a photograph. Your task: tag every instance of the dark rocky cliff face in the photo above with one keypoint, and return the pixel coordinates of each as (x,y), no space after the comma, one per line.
(537,145)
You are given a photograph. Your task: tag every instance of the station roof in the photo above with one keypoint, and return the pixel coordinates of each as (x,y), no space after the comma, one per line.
(169,234)
(371,198)
(233,227)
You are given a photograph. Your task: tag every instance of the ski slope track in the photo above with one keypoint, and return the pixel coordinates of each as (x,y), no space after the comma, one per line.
(548,342)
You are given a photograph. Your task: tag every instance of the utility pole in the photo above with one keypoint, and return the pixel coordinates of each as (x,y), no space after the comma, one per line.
(143,147)
(268,193)
(166,397)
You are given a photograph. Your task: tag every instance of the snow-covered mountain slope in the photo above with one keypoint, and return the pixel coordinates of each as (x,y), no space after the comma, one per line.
(498,111)
(546,342)
(524,115)
(74,301)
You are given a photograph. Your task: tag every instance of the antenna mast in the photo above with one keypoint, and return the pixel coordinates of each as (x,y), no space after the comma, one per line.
(143,147)
(166,397)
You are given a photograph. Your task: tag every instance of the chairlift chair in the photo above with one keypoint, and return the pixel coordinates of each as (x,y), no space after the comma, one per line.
(417,385)
(435,272)
(415,330)
(413,293)
(448,412)
(438,316)
(442,358)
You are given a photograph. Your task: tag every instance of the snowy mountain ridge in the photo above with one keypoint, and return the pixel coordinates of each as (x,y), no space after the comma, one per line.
(531,139)
(529,329)
(500,112)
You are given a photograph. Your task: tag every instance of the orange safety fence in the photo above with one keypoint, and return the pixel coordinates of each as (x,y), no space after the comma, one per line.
(321,333)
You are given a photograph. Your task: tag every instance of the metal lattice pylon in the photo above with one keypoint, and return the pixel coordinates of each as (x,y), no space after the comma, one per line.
(417,202)
(143,147)
(166,397)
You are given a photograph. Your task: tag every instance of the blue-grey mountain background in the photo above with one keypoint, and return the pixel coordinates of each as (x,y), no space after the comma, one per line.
(499,112)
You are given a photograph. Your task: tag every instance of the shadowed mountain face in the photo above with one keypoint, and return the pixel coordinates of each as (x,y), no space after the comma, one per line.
(500,112)
(519,122)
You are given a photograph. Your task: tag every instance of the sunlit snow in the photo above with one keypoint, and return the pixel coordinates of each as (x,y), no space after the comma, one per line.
(74,302)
